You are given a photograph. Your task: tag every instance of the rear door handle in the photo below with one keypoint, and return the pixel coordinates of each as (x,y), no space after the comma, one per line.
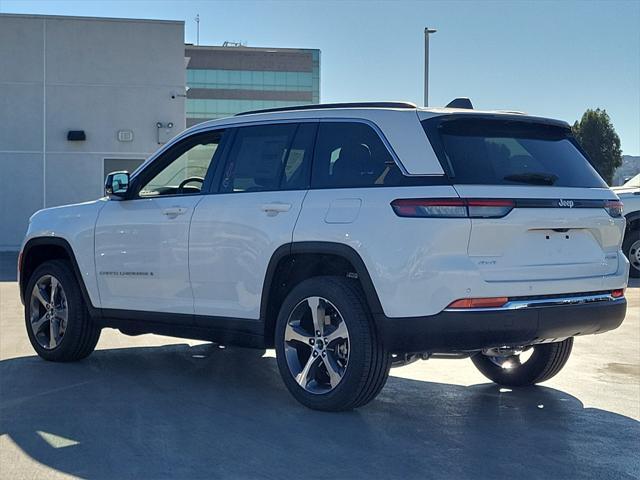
(173,212)
(272,209)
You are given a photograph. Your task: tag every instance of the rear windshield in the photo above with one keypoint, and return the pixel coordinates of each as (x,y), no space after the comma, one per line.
(509,152)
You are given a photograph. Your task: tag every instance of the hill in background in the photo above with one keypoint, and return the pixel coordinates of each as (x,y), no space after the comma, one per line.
(630,167)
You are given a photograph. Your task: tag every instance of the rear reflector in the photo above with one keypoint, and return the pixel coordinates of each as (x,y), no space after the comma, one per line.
(452,207)
(619,293)
(614,208)
(493,302)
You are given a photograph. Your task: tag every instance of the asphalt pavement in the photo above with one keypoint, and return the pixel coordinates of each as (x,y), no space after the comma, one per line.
(152,407)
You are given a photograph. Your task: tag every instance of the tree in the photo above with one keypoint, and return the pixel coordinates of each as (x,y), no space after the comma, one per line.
(598,138)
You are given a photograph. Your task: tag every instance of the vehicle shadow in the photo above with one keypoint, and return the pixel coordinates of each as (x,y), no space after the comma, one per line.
(207,412)
(8,262)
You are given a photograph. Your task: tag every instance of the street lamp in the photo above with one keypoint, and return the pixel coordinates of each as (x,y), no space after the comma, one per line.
(427,31)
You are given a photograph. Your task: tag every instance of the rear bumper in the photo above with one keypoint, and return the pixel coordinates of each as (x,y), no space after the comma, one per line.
(451,331)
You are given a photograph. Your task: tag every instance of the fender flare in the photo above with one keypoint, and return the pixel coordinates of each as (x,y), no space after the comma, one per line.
(55,242)
(323,248)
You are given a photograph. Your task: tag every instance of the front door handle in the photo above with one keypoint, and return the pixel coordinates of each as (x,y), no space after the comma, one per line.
(173,212)
(275,208)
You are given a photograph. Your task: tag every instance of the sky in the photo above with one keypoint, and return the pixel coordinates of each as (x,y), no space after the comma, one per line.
(554,59)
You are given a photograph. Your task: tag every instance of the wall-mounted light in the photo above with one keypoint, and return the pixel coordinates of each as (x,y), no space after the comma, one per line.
(76,136)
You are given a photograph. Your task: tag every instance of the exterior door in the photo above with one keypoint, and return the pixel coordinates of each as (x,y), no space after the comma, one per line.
(141,243)
(235,232)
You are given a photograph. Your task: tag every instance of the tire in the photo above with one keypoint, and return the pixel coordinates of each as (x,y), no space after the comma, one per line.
(631,249)
(75,333)
(545,362)
(367,362)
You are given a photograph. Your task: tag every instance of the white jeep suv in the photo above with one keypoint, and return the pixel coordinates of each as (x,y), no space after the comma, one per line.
(350,237)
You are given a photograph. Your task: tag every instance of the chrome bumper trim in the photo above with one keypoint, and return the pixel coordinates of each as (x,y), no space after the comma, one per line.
(543,302)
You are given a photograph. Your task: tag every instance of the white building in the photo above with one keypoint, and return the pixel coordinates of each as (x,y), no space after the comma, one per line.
(62,79)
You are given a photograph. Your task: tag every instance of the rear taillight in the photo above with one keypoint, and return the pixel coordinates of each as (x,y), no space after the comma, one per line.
(614,208)
(430,207)
(492,302)
(619,293)
(452,207)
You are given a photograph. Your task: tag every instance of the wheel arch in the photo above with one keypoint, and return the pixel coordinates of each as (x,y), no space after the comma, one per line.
(633,220)
(323,256)
(41,249)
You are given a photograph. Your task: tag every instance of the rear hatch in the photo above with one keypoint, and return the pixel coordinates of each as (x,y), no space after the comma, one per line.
(553,217)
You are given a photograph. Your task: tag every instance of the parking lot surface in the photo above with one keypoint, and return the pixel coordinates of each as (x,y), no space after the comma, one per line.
(152,407)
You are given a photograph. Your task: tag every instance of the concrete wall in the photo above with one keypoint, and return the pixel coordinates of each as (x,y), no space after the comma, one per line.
(93,74)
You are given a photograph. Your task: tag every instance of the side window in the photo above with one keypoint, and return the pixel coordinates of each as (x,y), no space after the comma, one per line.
(352,155)
(188,163)
(268,158)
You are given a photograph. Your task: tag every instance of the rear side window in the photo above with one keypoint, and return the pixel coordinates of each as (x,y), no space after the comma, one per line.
(351,154)
(509,152)
(268,158)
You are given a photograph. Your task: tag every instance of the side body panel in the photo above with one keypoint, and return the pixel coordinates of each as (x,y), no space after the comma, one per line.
(233,237)
(142,254)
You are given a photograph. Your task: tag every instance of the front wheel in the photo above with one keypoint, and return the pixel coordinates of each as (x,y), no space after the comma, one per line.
(535,364)
(56,316)
(328,351)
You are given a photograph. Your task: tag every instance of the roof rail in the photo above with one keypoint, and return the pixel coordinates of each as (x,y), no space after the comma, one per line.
(461,102)
(322,106)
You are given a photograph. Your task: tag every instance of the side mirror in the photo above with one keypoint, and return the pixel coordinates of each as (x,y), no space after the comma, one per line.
(116,184)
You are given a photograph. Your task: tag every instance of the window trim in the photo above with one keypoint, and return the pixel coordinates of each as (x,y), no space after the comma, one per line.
(204,127)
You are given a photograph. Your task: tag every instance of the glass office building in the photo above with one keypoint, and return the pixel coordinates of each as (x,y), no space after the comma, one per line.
(223,81)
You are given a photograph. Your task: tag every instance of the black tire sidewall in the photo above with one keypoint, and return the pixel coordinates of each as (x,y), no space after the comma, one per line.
(535,370)
(68,347)
(630,238)
(355,314)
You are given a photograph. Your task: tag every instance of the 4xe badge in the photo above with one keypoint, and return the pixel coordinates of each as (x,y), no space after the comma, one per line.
(566,203)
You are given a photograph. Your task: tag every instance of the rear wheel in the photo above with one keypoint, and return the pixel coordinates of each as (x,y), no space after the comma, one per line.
(631,248)
(56,316)
(532,365)
(329,354)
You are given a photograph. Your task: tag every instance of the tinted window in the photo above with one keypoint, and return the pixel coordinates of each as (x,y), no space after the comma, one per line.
(269,157)
(352,155)
(297,168)
(509,152)
(184,167)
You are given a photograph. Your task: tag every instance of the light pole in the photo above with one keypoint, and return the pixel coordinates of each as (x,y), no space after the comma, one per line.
(427,31)
(198,29)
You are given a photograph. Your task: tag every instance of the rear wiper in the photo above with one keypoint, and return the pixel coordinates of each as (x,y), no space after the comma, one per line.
(533,178)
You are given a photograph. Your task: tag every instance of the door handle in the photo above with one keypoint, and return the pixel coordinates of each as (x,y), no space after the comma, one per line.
(173,212)
(272,209)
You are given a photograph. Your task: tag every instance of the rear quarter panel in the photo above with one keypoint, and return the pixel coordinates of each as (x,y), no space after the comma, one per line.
(414,263)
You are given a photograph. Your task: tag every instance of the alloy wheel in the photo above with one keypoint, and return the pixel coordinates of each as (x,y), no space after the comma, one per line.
(511,360)
(316,345)
(49,312)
